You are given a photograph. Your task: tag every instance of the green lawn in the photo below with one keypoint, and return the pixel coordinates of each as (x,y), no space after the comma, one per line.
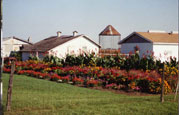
(33,96)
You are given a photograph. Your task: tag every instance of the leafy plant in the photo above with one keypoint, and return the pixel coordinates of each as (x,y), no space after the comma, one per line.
(53,60)
(17,55)
(31,57)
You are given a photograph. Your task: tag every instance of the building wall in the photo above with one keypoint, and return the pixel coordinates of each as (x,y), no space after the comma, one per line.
(75,46)
(109,42)
(163,51)
(11,45)
(26,55)
(145,48)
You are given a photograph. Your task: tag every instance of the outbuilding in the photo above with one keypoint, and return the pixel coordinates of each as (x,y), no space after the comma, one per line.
(109,38)
(60,46)
(13,44)
(161,44)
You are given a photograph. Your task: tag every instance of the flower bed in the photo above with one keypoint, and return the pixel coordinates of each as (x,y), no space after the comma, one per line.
(110,78)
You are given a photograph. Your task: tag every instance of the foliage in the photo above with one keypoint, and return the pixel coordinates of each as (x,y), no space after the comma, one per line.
(83,59)
(32,57)
(89,76)
(53,60)
(172,62)
(131,61)
(107,61)
(17,55)
(147,63)
(171,75)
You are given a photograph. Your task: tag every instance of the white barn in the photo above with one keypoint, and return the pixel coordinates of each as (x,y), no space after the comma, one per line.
(61,45)
(109,38)
(12,44)
(161,44)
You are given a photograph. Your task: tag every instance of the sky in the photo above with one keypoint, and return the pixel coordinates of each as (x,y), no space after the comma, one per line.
(40,19)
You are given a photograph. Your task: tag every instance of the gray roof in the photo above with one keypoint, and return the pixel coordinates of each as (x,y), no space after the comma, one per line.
(51,42)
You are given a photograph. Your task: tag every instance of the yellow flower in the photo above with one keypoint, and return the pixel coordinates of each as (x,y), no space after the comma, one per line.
(160,69)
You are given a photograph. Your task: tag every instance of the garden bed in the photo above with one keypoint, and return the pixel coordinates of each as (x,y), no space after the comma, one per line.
(113,79)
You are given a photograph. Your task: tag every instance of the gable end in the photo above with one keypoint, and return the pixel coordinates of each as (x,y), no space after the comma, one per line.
(136,39)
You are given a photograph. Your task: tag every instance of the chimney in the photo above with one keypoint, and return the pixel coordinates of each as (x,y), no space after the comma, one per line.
(59,34)
(28,39)
(173,32)
(75,33)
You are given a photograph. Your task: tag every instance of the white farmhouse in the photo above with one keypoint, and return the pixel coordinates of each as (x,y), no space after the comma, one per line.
(60,46)
(109,38)
(161,44)
(12,44)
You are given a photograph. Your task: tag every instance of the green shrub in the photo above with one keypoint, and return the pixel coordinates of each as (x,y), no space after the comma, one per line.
(133,61)
(31,57)
(53,60)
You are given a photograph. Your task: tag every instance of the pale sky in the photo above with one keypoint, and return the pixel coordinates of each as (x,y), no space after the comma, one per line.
(40,19)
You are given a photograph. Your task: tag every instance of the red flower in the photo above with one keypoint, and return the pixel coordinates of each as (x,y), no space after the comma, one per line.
(7,70)
(66,78)
(76,79)
(94,82)
(55,77)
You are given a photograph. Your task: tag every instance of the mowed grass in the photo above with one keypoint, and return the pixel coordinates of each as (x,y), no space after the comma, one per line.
(33,96)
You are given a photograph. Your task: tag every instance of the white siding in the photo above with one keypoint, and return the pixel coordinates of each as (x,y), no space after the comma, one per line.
(109,42)
(161,51)
(11,45)
(164,51)
(75,46)
(144,47)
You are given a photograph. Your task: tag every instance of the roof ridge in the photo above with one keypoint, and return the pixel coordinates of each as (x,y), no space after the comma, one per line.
(52,42)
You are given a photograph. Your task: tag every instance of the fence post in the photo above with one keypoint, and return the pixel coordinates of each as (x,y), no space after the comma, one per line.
(1,87)
(162,85)
(176,91)
(1,84)
(9,92)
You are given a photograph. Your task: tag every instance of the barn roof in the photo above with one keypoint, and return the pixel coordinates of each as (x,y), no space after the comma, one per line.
(51,42)
(155,37)
(110,30)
